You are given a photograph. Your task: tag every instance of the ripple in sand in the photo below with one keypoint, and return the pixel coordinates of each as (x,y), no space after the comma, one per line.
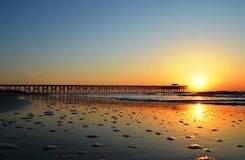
(194,146)
(219,140)
(132,147)
(158,133)
(82,152)
(189,137)
(148,130)
(240,146)
(4,124)
(25,118)
(59,121)
(91,136)
(48,113)
(18,127)
(7,146)
(126,135)
(52,130)
(11,122)
(65,157)
(116,130)
(38,122)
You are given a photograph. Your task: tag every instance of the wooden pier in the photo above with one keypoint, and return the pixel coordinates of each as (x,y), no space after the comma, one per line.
(91,89)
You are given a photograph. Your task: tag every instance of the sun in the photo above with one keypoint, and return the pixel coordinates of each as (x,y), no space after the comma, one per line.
(199,82)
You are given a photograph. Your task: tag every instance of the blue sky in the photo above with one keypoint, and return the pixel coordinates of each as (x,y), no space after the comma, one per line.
(102,39)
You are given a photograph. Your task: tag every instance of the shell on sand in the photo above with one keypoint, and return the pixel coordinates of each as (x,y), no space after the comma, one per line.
(205,158)
(194,146)
(240,146)
(171,138)
(91,136)
(206,150)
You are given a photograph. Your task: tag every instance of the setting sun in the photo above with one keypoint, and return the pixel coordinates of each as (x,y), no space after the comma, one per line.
(199,82)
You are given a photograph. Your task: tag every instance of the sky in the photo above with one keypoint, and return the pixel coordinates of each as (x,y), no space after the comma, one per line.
(149,42)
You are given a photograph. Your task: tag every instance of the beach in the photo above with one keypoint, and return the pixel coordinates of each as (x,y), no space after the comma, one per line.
(60,127)
(122,80)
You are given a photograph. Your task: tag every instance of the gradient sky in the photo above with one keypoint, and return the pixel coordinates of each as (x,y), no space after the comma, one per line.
(123,42)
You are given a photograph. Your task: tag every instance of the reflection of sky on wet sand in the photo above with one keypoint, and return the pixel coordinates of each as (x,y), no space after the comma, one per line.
(127,130)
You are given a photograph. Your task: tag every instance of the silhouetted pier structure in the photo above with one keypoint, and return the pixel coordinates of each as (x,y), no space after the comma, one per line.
(91,89)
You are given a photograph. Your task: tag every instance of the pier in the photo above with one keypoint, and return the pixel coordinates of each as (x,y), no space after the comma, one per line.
(91,89)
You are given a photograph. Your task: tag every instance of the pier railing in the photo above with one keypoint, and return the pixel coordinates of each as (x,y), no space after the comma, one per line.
(91,89)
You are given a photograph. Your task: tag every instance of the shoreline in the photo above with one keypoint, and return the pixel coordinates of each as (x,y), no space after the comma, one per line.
(214,102)
(13,96)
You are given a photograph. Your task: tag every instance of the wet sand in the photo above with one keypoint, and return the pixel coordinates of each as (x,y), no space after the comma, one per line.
(93,129)
(11,102)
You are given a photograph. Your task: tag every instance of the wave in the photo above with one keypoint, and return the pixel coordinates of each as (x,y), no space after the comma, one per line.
(214,99)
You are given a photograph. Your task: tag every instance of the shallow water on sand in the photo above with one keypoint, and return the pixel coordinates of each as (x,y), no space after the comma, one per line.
(107,129)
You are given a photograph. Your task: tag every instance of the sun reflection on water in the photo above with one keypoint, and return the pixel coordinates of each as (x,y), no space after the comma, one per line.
(198,111)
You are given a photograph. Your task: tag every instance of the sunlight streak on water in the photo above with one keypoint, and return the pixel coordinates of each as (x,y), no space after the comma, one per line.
(198,111)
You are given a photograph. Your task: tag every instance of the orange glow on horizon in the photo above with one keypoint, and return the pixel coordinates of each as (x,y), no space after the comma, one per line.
(200,65)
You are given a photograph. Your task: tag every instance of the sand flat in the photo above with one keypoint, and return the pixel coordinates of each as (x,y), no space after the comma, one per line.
(122,130)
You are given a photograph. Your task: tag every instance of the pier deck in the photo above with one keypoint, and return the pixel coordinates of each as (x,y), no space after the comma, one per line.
(91,89)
